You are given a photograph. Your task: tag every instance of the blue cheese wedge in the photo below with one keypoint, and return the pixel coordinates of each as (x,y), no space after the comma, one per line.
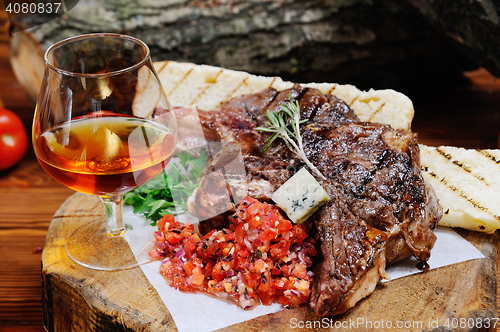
(300,196)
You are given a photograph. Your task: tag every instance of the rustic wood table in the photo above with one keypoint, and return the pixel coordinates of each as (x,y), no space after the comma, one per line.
(462,110)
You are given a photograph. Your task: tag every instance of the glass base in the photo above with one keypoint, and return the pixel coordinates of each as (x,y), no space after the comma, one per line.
(90,245)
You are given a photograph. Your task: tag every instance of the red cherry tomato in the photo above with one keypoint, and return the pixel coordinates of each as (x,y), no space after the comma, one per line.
(13,139)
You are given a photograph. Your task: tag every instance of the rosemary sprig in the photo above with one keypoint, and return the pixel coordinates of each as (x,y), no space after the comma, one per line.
(288,115)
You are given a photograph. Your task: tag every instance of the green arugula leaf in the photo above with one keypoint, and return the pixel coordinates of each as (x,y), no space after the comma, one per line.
(158,206)
(183,157)
(144,207)
(156,198)
(199,163)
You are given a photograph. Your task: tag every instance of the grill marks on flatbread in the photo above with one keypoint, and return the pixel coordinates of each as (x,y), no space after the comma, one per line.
(375,113)
(488,154)
(208,87)
(330,91)
(460,164)
(467,183)
(459,193)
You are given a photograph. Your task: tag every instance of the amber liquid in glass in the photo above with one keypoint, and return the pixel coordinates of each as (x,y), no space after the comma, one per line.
(105,155)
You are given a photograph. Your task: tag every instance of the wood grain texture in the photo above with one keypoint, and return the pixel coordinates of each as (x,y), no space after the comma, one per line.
(25,214)
(80,299)
(28,199)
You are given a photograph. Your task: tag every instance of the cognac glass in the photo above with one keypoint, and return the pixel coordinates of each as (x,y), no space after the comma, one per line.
(102,126)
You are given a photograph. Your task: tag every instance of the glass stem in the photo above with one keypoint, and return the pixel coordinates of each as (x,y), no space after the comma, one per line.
(113,208)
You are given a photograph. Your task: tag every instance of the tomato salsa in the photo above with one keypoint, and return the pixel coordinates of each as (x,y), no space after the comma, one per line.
(261,258)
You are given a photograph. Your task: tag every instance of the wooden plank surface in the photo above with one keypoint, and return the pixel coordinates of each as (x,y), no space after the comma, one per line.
(460,110)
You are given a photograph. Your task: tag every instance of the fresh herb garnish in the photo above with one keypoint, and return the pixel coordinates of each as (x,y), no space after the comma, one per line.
(168,192)
(288,115)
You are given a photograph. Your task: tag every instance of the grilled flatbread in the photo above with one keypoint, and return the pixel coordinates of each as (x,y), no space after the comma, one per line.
(208,87)
(467,183)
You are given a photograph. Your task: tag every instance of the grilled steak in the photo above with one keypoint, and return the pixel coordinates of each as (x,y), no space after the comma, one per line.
(381,210)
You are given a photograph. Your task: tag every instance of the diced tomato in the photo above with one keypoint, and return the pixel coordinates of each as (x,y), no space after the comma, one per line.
(265,297)
(259,266)
(198,277)
(279,283)
(240,233)
(189,267)
(284,226)
(254,261)
(218,272)
(299,271)
(189,246)
(167,219)
(279,249)
(172,237)
(227,249)
(299,233)
(275,271)
(207,269)
(252,280)
(266,282)
(285,270)
(269,234)
(255,222)
(161,223)
(196,238)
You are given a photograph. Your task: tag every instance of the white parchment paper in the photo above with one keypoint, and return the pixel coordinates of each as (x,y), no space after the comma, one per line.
(200,313)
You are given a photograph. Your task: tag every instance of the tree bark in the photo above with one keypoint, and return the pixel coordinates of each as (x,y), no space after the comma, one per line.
(473,26)
(377,44)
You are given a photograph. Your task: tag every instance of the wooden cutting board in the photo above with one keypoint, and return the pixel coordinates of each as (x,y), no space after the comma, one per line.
(80,299)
